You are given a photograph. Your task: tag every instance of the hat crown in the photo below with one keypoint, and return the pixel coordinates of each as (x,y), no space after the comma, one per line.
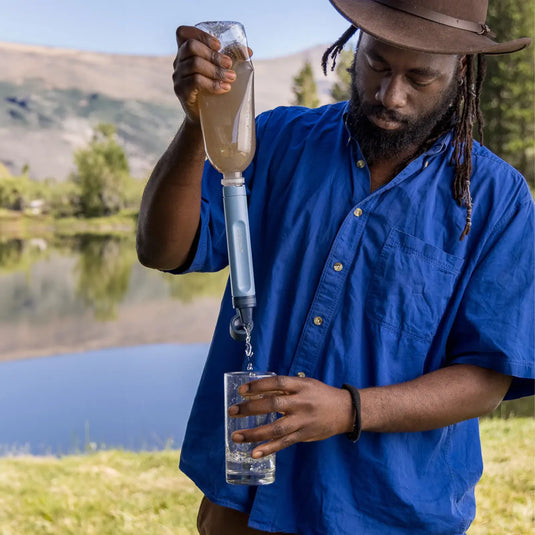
(434,26)
(474,10)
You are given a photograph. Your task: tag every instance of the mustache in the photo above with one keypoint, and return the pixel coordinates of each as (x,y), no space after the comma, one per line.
(379,111)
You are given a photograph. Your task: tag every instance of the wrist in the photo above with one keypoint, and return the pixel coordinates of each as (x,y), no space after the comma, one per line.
(193,123)
(193,130)
(191,140)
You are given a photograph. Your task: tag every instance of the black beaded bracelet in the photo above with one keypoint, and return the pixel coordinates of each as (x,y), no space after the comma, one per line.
(355,400)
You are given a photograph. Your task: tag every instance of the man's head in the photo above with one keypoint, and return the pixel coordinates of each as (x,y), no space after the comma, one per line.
(400,98)
(454,28)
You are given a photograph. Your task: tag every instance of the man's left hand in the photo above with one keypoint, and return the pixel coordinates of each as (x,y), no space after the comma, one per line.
(310,409)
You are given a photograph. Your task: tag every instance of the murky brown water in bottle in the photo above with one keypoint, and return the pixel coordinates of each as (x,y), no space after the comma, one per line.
(228,120)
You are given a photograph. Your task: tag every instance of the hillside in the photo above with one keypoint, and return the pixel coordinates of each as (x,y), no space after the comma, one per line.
(51,98)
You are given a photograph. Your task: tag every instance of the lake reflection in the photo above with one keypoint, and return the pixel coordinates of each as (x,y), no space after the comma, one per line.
(133,398)
(89,291)
(95,270)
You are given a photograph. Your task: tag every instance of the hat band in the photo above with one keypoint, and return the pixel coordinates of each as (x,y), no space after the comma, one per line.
(440,18)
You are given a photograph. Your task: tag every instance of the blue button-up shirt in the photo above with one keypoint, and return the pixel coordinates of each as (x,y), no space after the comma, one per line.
(368,289)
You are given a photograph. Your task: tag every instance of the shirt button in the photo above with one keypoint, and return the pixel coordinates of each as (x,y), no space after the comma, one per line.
(338,266)
(318,320)
(426,163)
(361,164)
(357,212)
(301,374)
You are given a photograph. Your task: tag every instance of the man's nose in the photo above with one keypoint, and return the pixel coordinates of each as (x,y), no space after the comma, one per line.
(392,93)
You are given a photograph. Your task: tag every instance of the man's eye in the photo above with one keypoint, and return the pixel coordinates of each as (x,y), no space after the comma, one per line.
(420,82)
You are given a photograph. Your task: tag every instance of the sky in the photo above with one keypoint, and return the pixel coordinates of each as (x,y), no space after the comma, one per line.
(274,27)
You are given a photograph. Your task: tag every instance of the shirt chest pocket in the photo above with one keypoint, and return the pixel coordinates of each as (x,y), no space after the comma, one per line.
(411,285)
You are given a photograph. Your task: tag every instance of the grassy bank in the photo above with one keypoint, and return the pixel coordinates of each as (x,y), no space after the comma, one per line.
(119,493)
(21,226)
(506,493)
(105,493)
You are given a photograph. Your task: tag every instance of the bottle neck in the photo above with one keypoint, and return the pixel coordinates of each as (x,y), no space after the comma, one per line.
(233,179)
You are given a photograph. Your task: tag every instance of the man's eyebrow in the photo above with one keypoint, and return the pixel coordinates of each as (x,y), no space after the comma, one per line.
(419,71)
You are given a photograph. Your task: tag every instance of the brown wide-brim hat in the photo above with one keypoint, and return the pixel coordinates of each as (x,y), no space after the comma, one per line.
(434,26)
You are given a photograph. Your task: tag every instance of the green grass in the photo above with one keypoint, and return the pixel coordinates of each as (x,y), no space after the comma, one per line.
(17,225)
(104,493)
(119,493)
(506,493)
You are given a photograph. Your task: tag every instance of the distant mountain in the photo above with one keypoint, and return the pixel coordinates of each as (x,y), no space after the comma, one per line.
(51,98)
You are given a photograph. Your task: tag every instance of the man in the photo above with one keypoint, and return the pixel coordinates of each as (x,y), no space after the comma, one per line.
(389,302)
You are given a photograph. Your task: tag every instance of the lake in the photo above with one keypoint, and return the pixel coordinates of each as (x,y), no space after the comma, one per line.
(132,397)
(97,351)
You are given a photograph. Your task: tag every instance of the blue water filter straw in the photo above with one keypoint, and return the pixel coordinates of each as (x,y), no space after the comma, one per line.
(228,125)
(239,254)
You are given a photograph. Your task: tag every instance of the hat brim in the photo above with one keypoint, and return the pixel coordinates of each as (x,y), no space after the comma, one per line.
(404,30)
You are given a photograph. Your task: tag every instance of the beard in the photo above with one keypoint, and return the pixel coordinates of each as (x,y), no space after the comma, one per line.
(410,138)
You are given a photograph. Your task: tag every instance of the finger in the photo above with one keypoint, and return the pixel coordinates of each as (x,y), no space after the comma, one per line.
(284,432)
(186,33)
(273,431)
(262,404)
(209,79)
(276,445)
(277,383)
(192,49)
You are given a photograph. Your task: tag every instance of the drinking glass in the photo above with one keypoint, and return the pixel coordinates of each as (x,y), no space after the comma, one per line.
(241,468)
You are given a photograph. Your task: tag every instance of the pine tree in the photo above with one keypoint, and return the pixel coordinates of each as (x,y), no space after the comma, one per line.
(304,88)
(508,97)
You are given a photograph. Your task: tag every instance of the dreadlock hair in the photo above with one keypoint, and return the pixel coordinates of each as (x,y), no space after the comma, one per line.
(336,48)
(466,114)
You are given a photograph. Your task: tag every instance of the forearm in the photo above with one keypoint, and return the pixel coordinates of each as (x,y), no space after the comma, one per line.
(170,207)
(312,410)
(434,400)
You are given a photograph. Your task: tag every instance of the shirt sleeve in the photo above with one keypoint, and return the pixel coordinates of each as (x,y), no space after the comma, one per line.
(495,325)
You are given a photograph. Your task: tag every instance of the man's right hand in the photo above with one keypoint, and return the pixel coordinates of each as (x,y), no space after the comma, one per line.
(199,66)
(170,209)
